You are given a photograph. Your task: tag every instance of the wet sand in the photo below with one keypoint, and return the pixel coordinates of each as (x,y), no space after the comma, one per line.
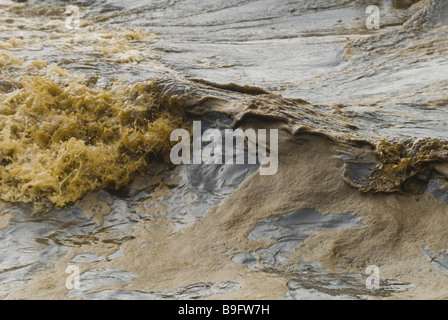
(362,178)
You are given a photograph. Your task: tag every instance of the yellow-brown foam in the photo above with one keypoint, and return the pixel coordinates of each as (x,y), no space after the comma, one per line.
(59,142)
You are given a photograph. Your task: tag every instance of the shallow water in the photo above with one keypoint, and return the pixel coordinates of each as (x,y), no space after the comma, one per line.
(158,231)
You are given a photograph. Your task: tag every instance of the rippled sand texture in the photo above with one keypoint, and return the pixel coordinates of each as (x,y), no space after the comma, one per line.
(85,120)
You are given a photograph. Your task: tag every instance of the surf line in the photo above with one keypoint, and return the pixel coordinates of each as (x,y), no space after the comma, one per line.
(212,153)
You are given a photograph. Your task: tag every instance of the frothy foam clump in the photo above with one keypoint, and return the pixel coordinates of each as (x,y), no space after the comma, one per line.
(58,142)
